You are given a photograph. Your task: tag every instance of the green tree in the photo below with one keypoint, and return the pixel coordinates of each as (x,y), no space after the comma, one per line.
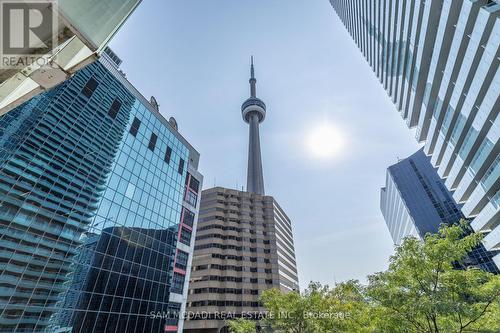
(286,311)
(319,309)
(422,292)
(241,325)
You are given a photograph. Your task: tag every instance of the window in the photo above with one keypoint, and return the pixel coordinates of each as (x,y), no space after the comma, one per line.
(177,284)
(480,156)
(191,198)
(181,260)
(168,155)
(427,94)
(181,166)
(491,174)
(447,120)
(188,217)
(89,88)
(185,236)
(437,108)
(468,142)
(115,107)
(173,310)
(457,130)
(129,193)
(152,142)
(194,184)
(135,126)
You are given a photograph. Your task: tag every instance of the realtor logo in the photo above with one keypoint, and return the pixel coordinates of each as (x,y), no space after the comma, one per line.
(28,32)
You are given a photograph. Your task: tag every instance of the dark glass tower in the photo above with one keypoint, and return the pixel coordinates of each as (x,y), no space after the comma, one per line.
(98,199)
(132,282)
(415,202)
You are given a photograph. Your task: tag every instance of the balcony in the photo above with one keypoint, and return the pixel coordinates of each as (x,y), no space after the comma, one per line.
(492,240)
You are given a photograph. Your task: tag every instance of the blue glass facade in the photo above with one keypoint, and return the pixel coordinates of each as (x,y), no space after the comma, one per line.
(137,266)
(90,209)
(415,202)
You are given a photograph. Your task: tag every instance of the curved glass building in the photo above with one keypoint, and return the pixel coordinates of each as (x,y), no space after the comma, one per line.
(98,199)
(438,61)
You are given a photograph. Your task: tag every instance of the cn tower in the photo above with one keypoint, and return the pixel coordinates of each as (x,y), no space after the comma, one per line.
(253,111)
(266,219)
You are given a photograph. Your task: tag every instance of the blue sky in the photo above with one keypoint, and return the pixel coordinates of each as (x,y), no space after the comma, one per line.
(193,56)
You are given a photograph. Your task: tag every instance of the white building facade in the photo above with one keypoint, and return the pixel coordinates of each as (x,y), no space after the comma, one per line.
(439,63)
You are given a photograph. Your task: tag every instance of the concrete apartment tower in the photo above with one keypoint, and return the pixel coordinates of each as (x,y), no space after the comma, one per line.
(243,246)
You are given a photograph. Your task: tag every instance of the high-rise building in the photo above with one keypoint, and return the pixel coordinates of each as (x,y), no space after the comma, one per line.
(99,196)
(438,61)
(415,202)
(244,244)
(71,35)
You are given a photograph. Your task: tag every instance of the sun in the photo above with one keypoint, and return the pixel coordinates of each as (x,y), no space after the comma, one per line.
(325,141)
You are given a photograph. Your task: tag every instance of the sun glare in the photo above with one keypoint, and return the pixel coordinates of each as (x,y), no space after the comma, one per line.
(325,141)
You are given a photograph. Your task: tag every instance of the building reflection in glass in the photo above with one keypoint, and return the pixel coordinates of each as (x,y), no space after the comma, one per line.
(90,208)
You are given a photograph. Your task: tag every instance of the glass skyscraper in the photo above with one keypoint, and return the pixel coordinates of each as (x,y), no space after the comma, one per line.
(98,199)
(438,61)
(415,202)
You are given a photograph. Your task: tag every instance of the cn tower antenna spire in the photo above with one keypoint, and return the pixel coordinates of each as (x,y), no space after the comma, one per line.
(252,70)
(253,80)
(254,111)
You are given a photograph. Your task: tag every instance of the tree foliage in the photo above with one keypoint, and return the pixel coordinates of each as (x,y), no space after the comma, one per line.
(319,309)
(421,292)
(241,325)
